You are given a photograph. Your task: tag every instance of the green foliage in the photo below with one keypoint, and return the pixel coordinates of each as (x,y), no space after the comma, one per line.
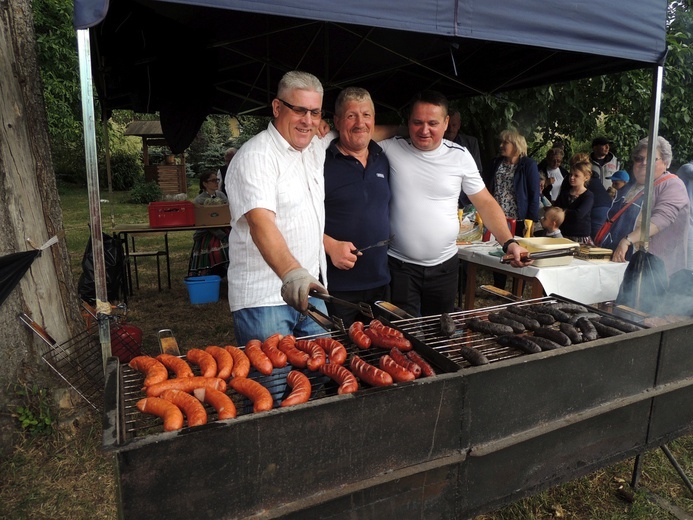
(34,416)
(144,192)
(250,126)
(126,168)
(206,152)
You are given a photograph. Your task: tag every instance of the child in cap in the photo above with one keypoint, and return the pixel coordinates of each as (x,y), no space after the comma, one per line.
(618,180)
(550,222)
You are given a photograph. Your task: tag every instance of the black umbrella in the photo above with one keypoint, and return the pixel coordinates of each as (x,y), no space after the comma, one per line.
(12,268)
(645,282)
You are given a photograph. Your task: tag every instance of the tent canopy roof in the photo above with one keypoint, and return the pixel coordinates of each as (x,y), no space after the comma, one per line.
(191,58)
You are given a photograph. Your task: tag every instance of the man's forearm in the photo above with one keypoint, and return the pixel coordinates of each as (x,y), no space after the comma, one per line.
(270,242)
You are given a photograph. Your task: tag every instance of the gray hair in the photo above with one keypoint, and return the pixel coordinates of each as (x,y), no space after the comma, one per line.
(663,147)
(351,94)
(297,80)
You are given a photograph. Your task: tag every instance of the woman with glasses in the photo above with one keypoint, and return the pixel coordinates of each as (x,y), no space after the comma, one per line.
(669,214)
(210,252)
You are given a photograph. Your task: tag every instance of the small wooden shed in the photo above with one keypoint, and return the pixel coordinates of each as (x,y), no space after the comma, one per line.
(170,174)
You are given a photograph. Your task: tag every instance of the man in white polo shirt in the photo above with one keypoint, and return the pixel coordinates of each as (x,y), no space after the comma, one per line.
(276,196)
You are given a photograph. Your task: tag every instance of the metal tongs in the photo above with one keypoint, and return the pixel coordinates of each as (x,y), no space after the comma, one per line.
(377,244)
(363,308)
(566,251)
(329,323)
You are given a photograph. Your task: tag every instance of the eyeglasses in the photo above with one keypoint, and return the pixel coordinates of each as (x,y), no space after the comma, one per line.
(315,113)
(640,159)
(212,180)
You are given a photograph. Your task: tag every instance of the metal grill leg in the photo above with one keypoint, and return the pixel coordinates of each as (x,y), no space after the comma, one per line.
(677,467)
(637,467)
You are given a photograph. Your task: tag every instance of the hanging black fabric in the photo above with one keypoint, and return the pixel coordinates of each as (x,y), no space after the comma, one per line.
(12,268)
(645,283)
(114,258)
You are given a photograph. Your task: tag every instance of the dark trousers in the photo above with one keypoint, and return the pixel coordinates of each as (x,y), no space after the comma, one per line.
(369,296)
(424,291)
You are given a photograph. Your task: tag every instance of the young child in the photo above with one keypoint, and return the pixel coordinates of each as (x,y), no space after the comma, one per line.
(618,181)
(550,222)
(577,201)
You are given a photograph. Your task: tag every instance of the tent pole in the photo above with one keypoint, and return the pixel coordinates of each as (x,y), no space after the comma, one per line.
(102,304)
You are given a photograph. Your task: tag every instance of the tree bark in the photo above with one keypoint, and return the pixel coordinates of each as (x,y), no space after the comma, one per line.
(29,209)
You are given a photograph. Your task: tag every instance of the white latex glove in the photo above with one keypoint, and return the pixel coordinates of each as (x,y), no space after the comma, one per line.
(295,287)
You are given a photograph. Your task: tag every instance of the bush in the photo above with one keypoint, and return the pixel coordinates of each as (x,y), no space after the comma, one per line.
(144,192)
(126,169)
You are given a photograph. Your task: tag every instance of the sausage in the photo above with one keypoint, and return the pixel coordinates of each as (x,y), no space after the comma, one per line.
(570,308)
(195,413)
(544,343)
(529,323)
(368,373)
(388,341)
(383,329)
(154,371)
(258,394)
(605,331)
(426,369)
(519,342)
(552,311)
(336,352)
(300,388)
(589,333)
(224,361)
(474,357)
(176,365)
(258,358)
(241,363)
(447,325)
(316,352)
(554,335)
(495,317)
(612,321)
(169,412)
(571,331)
(222,403)
(589,315)
(541,317)
(486,327)
(357,335)
(398,372)
(345,379)
(407,363)
(276,356)
(186,384)
(204,360)
(296,357)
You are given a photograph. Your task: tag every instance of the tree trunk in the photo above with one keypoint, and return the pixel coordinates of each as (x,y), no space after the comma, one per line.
(30,208)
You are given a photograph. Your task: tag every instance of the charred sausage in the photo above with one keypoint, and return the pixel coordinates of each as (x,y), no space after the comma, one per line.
(554,335)
(192,408)
(358,337)
(336,352)
(276,356)
(169,412)
(529,323)
(544,343)
(241,363)
(571,331)
(570,308)
(426,369)
(612,321)
(300,388)
(553,311)
(368,373)
(222,403)
(224,361)
(605,331)
(176,365)
(204,360)
(486,327)
(154,371)
(519,342)
(258,359)
(496,317)
(541,317)
(345,379)
(589,333)
(258,394)
(447,325)
(186,384)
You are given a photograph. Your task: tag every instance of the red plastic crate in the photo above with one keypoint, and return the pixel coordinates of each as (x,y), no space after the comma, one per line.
(171,214)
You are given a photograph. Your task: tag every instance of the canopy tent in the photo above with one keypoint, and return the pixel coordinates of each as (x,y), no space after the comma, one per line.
(189,58)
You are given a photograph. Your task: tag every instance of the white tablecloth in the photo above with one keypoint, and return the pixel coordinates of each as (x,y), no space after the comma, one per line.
(582,281)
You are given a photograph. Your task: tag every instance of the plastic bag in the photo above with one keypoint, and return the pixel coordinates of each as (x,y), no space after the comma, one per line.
(114,259)
(645,283)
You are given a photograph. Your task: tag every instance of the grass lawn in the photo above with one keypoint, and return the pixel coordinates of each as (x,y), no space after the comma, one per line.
(61,476)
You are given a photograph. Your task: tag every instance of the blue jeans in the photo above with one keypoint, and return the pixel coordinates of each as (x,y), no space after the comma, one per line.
(261,323)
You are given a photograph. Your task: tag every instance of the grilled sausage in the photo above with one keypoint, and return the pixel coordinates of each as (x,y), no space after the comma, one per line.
(447,325)
(529,323)
(426,369)
(571,331)
(574,317)
(383,329)
(195,413)
(570,308)
(176,365)
(258,394)
(276,356)
(495,317)
(398,372)
(407,363)
(357,335)
(552,311)
(474,357)
(388,341)
(554,335)
(589,333)
(544,343)
(316,353)
(222,403)
(300,388)
(336,352)
(258,359)
(612,321)
(154,371)
(241,363)
(186,384)
(204,360)
(224,361)
(605,331)
(296,357)
(169,412)
(345,379)
(519,342)
(495,329)
(368,373)
(541,317)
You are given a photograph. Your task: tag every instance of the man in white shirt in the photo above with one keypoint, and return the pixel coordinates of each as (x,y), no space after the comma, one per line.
(276,196)
(427,174)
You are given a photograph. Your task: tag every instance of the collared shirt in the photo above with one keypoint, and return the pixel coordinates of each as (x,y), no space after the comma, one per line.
(268,173)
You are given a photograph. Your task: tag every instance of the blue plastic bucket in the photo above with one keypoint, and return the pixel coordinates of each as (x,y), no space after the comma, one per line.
(203,289)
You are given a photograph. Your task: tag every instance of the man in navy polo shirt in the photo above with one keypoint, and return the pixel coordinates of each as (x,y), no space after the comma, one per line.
(357,199)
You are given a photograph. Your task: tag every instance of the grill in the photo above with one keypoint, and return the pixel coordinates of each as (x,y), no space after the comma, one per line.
(468,440)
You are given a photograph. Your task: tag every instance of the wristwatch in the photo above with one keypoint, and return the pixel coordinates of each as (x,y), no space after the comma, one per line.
(507,244)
